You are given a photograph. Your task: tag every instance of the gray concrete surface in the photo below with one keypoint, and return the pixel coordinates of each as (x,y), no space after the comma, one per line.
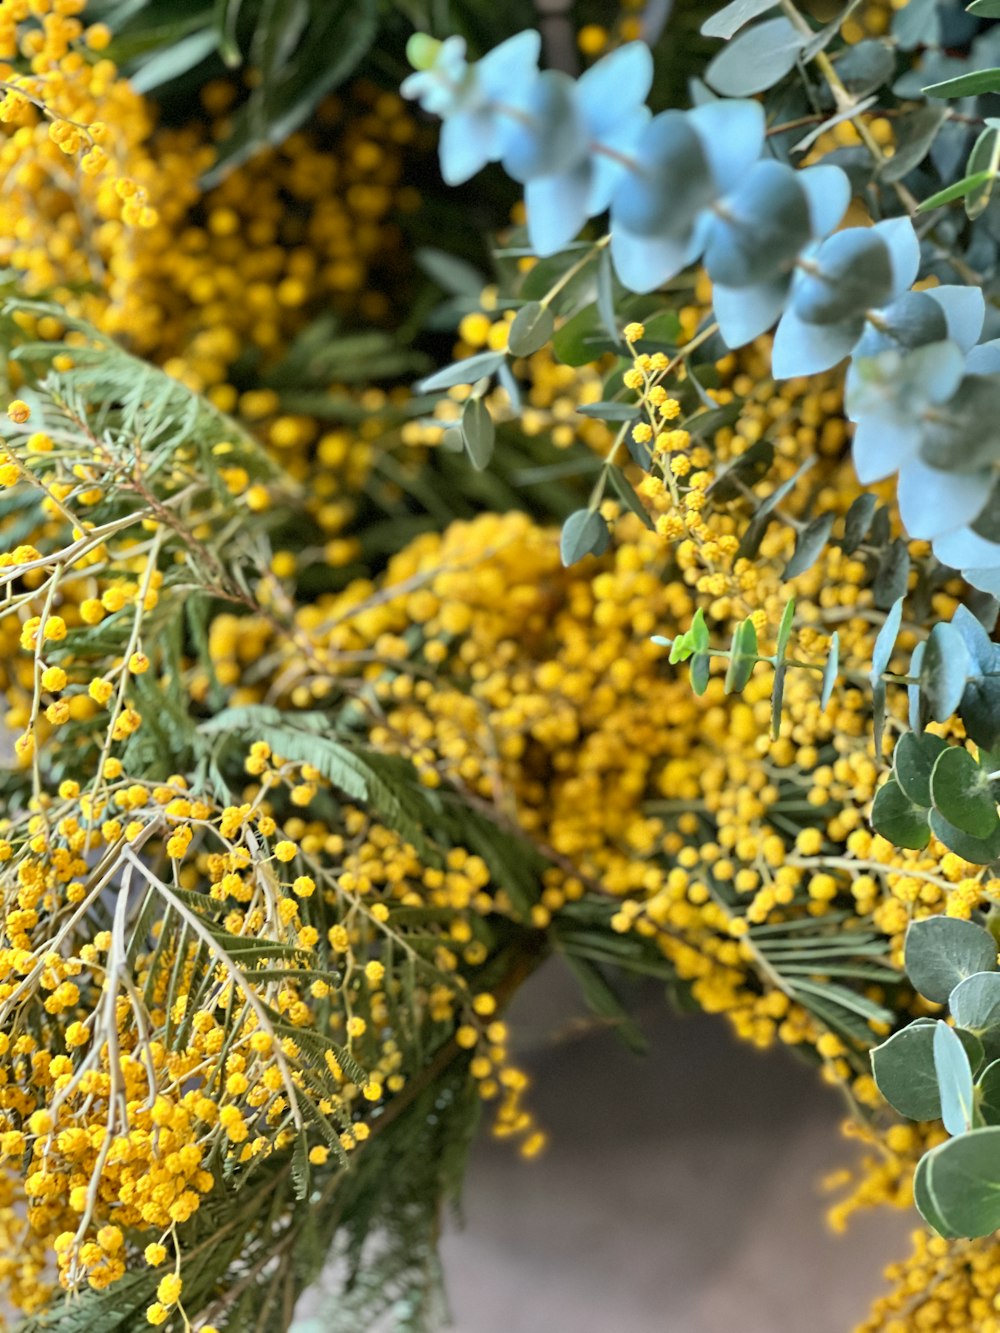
(680,1193)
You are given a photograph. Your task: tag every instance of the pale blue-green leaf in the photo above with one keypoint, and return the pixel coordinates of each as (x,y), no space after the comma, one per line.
(954,1076)
(941,951)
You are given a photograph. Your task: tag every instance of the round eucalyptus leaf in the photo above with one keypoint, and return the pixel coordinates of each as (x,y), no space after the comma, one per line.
(912,762)
(961,435)
(975,1002)
(988,1094)
(675,182)
(866,66)
(962,791)
(944,670)
(963,1182)
(850,273)
(903,1069)
(941,951)
(549,135)
(584,533)
(977,851)
(531,330)
(898,819)
(926,1203)
(756,59)
(758,229)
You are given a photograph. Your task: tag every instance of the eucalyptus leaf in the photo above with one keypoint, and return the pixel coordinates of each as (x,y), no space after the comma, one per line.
(954,1075)
(944,671)
(898,819)
(963,793)
(925,1201)
(977,851)
(913,760)
(733,16)
(988,1094)
(903,1069)
(756,59)
(975,1002)
(963,1182)
(941,951)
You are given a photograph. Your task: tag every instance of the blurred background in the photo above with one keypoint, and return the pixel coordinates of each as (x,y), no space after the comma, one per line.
(689,1203)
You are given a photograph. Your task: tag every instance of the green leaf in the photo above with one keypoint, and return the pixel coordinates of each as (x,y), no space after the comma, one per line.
(606,296)
(987,9)
(694,639)
(603,1001)
(743,657)
(954,1075)
(610,411)
(903,1069)
(898,819)
(531,330)
(977,851)
(583,533)
(956,191)
(962,791)
(456,276)
(700,668)
(809,544)
(915,135)
(985,156)
(581,339)
(830,671)
(857,521)
(478,433)
(301,60)
(912,762)
(623,489)
(467,371)
(941,951)
(172,61)
(973,84)
(963,1182)
(944,671)
(988,1094)
(927,1205)
(975,1002)
(785,630)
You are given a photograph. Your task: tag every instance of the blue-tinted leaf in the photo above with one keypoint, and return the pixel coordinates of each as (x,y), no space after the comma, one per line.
(849,273)
(462,372)
(943,672)
(757,59)
(733,16)
(478,433)
(954,1077)
(830,671)
(759,228)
